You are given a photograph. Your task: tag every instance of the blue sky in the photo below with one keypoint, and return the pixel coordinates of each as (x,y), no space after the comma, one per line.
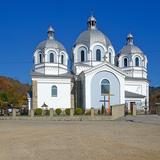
(23,24)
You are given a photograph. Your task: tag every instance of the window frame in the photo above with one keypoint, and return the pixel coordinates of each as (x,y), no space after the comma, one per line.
(51,59)
(82,55)
(125,63)
(62,59)
(54,88)
(98,55)
(105,83)
(137,58)
(40,57)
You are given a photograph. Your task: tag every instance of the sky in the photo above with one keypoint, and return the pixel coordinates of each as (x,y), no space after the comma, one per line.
(23,24)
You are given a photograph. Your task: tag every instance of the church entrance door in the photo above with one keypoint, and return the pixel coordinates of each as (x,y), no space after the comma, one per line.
(131,107)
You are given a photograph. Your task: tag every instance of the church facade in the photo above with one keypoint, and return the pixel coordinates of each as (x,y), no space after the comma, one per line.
(98,75)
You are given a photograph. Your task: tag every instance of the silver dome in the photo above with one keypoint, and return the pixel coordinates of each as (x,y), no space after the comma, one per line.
(92,35)
(51,42)
(130,48)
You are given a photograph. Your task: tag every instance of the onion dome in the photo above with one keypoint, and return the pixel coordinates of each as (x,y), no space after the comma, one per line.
(130,48)
(51,42)
(92,35)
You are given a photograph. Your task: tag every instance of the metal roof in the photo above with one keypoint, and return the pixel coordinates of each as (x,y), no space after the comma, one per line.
(133,95)
(92,36)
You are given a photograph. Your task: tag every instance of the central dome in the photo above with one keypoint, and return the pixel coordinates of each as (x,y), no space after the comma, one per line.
(92,35)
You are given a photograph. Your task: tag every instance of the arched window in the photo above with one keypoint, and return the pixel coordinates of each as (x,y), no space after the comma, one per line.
(105,87)
(137,62)
(82,56)
(125,62)
(51,57)
(40,58)
(98,55)
(62,59)
(110,56)
(54,91)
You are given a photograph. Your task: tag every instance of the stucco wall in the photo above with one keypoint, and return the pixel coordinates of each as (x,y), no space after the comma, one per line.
(96,89)
(63,99)
(93,87)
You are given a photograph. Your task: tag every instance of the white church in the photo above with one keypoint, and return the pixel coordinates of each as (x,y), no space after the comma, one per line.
(98,75)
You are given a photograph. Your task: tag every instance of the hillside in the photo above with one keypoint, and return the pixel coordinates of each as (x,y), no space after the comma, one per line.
(12,92)
(154,94)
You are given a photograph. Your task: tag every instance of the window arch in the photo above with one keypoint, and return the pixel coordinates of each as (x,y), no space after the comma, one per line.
(125,62)
(62,59)
(110,57)
(51,57)
(137,62)
(105,87)
(54,91)
(98,55)
(82,56)
(40,58)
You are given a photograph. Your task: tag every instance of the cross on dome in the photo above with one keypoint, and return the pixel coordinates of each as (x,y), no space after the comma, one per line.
(130,39)
(51,33)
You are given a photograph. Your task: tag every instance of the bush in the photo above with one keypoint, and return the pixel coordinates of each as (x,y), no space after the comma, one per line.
(58,111)
(67,111)
(38,111)
(78,111)
(103,109)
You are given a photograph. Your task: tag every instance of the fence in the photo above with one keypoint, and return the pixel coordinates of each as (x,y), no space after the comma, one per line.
(117,112)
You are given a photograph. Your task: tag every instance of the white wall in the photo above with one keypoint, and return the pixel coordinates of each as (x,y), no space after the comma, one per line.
(63,99)
(138,87)
(88,79)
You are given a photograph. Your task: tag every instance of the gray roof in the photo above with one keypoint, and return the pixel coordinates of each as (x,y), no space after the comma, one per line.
(51,43)
(133,95)
(130,48)
(136,79)
(65,75)
(92,36)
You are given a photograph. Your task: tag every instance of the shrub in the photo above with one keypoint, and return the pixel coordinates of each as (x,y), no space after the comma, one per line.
(67,111)
(78,111)
(58,111)
(103,109)
(38,111)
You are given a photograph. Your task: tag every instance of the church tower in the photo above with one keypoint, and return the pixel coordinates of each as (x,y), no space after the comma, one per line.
(50,75)
(132,60)
(91,48)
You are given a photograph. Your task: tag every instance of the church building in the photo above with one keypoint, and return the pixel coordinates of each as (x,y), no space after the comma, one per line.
(98,75)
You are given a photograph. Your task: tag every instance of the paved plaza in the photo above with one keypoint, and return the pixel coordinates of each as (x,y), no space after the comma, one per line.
(127,139)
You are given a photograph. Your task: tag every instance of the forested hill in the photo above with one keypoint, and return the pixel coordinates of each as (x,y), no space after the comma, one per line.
(154,94)
(12,92)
